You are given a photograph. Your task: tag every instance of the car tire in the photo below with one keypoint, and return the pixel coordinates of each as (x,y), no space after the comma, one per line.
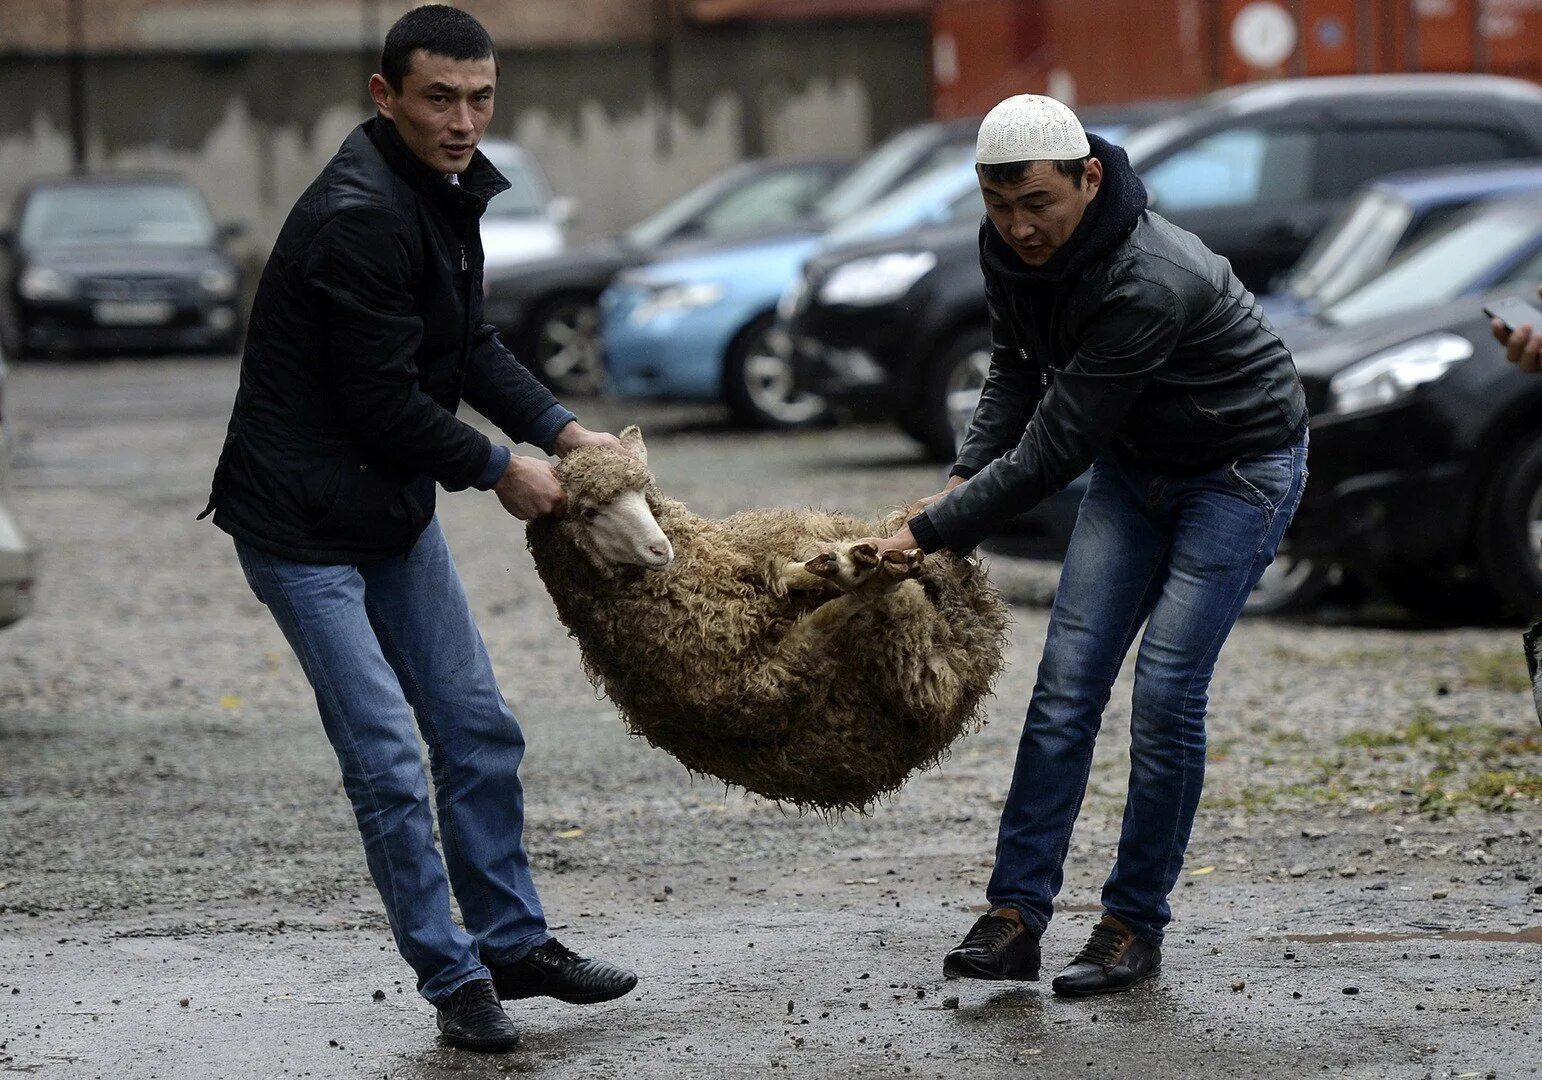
(1289,585)
(565,345)
(759,384)
(959,367)
(1510,531)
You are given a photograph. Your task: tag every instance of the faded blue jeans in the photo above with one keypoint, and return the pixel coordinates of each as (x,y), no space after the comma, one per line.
(1178,555)
(382,642)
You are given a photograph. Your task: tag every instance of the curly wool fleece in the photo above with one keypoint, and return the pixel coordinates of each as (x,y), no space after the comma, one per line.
(691,655)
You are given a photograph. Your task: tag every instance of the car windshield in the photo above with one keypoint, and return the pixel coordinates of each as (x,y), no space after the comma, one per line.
(1148,140)
(928,199)
(77,215)
(1346,254)
(1445,266)
(877,174)
(735,203)
(526,196)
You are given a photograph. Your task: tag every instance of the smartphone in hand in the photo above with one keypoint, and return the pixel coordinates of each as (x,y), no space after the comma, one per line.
(1514,312)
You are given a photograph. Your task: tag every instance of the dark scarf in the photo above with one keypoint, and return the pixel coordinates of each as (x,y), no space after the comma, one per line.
(479,183)
(1109,217)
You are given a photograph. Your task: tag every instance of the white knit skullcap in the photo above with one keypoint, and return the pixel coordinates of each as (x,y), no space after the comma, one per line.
(1029,127)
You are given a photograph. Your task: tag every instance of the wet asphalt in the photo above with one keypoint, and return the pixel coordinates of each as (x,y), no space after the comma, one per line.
(182,893)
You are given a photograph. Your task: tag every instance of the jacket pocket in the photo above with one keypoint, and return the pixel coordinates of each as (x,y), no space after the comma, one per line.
(369,507)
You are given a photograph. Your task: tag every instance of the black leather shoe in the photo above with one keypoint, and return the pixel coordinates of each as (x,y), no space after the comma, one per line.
(553,970)
(1113,959)
(472,1019)
(998,946)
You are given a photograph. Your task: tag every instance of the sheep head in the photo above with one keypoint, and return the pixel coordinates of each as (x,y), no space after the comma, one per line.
(609,517)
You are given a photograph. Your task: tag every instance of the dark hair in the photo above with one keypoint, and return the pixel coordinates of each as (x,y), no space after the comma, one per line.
(438,29)
(1012,172)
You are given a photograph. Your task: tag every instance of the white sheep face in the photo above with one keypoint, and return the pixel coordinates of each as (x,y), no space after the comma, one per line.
(625,532)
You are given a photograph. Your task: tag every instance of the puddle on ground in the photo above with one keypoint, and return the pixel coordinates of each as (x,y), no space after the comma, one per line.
(1530,936)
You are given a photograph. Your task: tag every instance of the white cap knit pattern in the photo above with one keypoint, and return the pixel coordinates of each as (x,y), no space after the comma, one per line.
(1030,127)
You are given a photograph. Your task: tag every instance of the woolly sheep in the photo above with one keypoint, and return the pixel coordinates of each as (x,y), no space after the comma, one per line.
(767,649)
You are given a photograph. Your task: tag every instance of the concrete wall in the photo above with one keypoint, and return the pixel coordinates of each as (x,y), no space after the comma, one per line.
(622,129)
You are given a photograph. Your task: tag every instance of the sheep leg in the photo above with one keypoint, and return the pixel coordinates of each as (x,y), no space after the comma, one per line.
(858,569)
(814,629)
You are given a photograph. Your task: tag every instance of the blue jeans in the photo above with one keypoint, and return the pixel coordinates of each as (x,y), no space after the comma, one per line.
(381,642)
(1179,555)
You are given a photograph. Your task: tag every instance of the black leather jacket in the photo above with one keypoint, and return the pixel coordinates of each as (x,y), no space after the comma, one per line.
(1155,345)
(365,335)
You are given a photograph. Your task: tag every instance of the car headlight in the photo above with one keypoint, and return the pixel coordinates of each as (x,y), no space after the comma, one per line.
(1388,376)
(41,283)
(676,299)
(876,280)
(218,282)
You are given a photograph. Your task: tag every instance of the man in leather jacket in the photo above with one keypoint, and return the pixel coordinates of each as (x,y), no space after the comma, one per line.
(365,336)
(1120,343)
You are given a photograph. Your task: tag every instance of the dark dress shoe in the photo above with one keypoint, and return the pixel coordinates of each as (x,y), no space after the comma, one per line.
(472,1019)
(998,946)
(1113,959)
(553,970)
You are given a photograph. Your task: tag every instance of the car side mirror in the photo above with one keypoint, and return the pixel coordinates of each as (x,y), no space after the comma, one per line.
(563,209)
(231,230)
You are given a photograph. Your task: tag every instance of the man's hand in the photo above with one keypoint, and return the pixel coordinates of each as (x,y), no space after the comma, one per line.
(529,489)
(921,504)
(574,435)
(1523,344)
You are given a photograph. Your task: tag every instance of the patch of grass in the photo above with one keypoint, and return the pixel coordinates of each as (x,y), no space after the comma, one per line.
(1424,727)
(1495,669)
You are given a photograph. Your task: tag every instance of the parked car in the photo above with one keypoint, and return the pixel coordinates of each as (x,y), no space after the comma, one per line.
(120,263)
(725,346)
(700,327)
(1256,171)
(18,559)
(525,222)
(1388,216)
(1298,149)
(548,309)
(1426,451)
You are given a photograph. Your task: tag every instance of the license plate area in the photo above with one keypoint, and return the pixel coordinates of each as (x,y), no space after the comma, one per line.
(133,312)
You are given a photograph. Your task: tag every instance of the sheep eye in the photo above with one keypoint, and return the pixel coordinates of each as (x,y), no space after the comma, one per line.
(590,513)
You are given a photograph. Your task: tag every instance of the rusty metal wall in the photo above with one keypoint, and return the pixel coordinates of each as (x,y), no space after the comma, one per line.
(1099,51)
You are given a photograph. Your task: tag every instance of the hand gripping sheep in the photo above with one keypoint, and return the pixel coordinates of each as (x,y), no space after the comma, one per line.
(767,649)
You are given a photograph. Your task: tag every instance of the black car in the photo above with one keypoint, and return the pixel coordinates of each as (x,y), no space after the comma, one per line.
(548,311)
(1254,172)
(119,263)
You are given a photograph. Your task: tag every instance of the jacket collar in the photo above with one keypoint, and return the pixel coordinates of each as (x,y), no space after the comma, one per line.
(478,183)
(1111,215)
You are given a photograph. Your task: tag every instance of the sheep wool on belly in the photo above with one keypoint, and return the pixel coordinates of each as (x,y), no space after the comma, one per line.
(771,653)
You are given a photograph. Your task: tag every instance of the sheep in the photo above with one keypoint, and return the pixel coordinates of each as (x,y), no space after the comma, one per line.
(769,649)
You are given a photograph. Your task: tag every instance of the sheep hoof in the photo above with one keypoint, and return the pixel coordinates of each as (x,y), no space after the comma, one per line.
(865,555)
(902,564)
(824,564)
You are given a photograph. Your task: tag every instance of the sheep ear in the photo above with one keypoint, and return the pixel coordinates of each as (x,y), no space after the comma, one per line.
(631,438)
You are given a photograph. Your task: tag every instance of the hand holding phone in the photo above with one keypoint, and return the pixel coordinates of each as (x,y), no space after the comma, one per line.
(1511,315)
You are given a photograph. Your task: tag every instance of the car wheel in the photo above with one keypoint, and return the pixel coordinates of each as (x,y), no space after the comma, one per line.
(935,416)
(1289,584)
(1510,531)
(567,346)
(758,381)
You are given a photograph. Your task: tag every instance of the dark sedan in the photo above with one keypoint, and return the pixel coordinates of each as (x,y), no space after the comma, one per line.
(548,309)
(119,263)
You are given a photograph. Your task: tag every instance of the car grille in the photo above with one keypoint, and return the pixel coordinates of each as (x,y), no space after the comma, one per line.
(123,287)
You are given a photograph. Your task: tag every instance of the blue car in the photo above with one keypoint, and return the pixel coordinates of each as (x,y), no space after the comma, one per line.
(1388,216)
(701,327)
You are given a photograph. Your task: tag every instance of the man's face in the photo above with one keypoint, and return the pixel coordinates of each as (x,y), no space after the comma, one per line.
(1037,215)
(442,109)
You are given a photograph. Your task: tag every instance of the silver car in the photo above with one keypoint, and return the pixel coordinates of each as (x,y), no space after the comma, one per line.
(18,559)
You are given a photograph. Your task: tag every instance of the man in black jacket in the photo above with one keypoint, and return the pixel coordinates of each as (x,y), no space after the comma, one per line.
(1119,343)
(365,336)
